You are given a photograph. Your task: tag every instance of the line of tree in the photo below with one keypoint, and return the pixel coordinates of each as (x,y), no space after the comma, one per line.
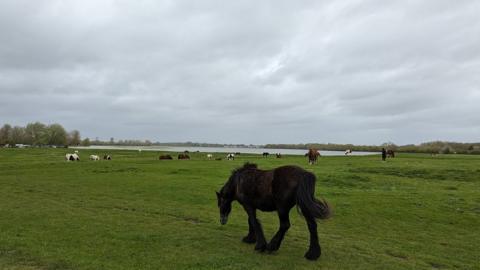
(435,147)
(39,134)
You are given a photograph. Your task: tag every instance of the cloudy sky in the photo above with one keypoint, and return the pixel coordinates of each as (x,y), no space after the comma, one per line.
(363,72)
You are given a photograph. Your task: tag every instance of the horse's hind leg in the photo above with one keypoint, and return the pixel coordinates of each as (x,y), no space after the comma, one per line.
(284,225)
(314,251)
(250,238)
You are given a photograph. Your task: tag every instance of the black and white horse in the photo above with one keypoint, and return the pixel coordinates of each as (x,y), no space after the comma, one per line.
(72,157)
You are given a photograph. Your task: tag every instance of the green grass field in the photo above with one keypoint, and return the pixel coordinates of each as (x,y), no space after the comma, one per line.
(136,212)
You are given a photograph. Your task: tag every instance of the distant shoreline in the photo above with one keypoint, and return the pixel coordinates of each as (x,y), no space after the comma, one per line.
(242,150)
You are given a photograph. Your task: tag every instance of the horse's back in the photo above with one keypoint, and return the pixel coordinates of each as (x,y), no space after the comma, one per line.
(285,182)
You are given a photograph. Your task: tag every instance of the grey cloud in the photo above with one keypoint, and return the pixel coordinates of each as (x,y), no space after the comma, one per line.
(244,72)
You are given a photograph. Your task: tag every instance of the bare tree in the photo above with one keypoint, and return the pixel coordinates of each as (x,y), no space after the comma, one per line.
(74,138)
(6,134)
(18,135)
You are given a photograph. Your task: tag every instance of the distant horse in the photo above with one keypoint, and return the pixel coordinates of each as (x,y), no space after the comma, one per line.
(165,157)
(183,156)
(237,153)
(313,155)
(265,154)
(273,190)
(209,156)
(348,152)
(107,157)
(278,155)
(390,153)
(231,156)
(94,157)
(72,157)
(218,158)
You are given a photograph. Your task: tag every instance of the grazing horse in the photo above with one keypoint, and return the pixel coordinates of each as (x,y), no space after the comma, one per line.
(165,157)
(183,156)
(231,156)
(273,190)
(390,153)
(72,157)
(209,156)
(278,155)
(265,154)
(348,152)
(94,157)
(313,155)
(107,157)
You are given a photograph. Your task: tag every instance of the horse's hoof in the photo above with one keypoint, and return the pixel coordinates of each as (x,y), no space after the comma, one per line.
(261,247)
(272,247)
(312,254)
(249,239)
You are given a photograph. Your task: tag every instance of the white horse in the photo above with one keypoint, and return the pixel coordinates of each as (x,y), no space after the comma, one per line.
(72,157)
(209,156)
(94,157)
(348,152)
(231,156)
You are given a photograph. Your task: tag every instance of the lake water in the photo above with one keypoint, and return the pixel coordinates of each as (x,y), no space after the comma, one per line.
(299,152)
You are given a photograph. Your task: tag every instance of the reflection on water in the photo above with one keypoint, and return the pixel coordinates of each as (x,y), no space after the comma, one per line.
(224,150)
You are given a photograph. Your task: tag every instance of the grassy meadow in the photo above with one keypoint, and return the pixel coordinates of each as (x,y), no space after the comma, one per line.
(137,212)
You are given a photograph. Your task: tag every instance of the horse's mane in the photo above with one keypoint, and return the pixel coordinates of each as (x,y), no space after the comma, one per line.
(232,181)
(249,165)
(246,166)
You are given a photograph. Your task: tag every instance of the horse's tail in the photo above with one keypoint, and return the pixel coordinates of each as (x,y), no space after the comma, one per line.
(306,200)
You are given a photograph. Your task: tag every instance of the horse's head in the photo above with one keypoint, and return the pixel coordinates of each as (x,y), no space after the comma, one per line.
(224,205)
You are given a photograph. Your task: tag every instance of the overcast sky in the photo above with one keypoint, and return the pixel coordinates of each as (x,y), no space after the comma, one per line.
(363,72)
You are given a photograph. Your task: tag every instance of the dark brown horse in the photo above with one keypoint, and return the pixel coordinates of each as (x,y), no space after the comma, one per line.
(183,156)
(313,155)
(390,153)
(274,190)
(165,157)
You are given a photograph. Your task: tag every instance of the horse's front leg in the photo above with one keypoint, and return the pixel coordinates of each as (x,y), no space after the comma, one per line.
(250,238)
(257,227)
(284,225)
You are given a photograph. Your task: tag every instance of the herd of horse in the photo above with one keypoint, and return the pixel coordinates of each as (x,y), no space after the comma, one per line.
(278,189)
(312,155)
(76,157)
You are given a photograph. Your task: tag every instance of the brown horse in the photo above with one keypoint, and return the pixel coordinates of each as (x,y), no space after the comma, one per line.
(390,153)
(274,190)
(183,156)
(313,155)
(165,157)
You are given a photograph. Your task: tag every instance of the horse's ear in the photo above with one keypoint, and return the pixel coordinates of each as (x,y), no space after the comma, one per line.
(218,194)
